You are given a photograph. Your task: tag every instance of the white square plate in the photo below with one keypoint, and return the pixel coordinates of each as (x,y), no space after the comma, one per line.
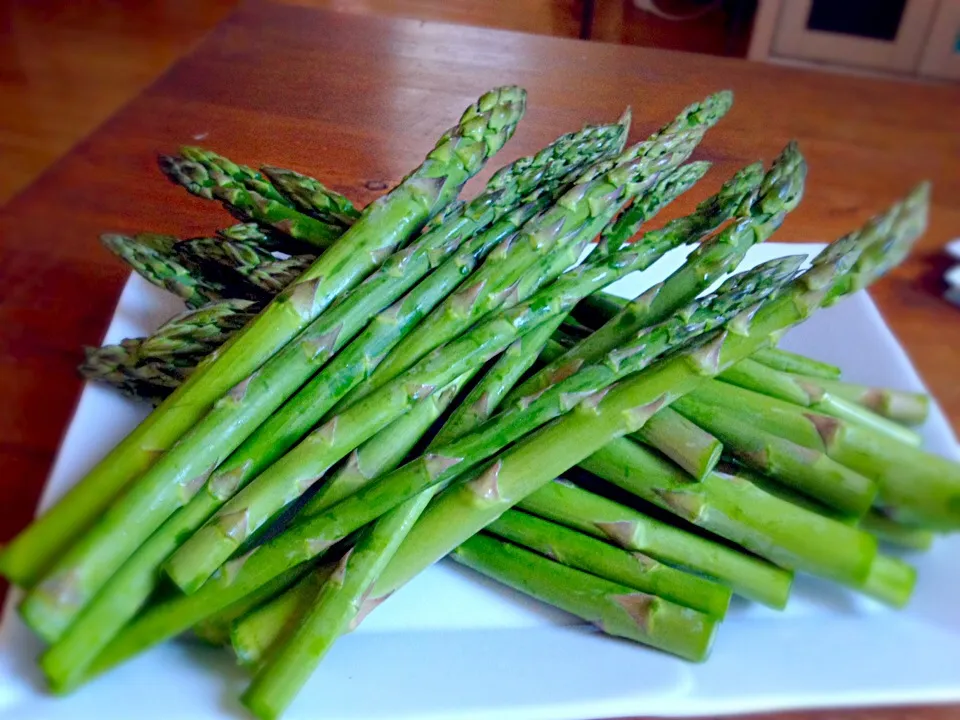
(452,645)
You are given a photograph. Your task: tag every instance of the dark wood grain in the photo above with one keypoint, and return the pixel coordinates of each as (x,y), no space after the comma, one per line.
(357,101)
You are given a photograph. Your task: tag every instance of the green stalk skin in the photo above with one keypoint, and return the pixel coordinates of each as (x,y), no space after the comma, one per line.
(241,264)
(686,443)
(892,532)
(614,608)
(752,375)
(385,450)
(633,569)
(907,408)
(809,471)
(646,163)
(891,581)
(751,577)
(486,395)
(915,487)
(292,475)
(731,506)
(256,632)
(462,510)
(153,258)
(786,361)
(386,223)
(312,196)
(153,366)
(763,201)
(635,216)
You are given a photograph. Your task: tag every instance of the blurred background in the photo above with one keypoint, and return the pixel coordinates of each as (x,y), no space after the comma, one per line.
(67,65)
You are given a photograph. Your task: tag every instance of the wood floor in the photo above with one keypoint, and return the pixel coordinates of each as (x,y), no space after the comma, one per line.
(67,65)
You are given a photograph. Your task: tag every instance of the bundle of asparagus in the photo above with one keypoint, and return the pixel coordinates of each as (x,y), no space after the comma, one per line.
(357,394)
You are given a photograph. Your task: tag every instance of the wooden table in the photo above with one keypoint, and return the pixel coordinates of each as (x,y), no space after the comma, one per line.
(357,101)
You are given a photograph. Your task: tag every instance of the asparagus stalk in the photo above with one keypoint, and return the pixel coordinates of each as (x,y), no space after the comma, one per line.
(614,608)
(915,487)
(381,541)
(764,201)
(598,309)
(646,163)
(733,507)
(891,581)
(329,386)
(389,222)
(634,217)
(153,257)
(892,532)
(264,237)
(244,261)
(290,476)
(807,470)
(242,175)
(908,408)
(786,361)
(263,205)
(463,509)
(312,196)
(632,530)
(633,569)
(486,395)
(686,443)
(752,375)
(156,365)
(256,632)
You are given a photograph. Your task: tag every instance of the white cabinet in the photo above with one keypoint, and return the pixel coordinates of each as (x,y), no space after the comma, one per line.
(907,37)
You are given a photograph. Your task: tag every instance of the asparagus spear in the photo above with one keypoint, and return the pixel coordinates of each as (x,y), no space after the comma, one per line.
(809,471)
(764,200)
(779,359)
(284,429)
(891,581)
(290,476)
(915,487)
(733,507)
(157,364)
(686,443)
(245,202)
(908,408)
(246,261)
(892,532)
(464,509)
(613,607)
(256,632)
(646,162)
(265,238)
(312,196)
(387,223)
(241,175)
(632,530)
(526,466)
(222,484)
(633,569)
(754,376)
(154,259)
(378,545)
(634,217)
